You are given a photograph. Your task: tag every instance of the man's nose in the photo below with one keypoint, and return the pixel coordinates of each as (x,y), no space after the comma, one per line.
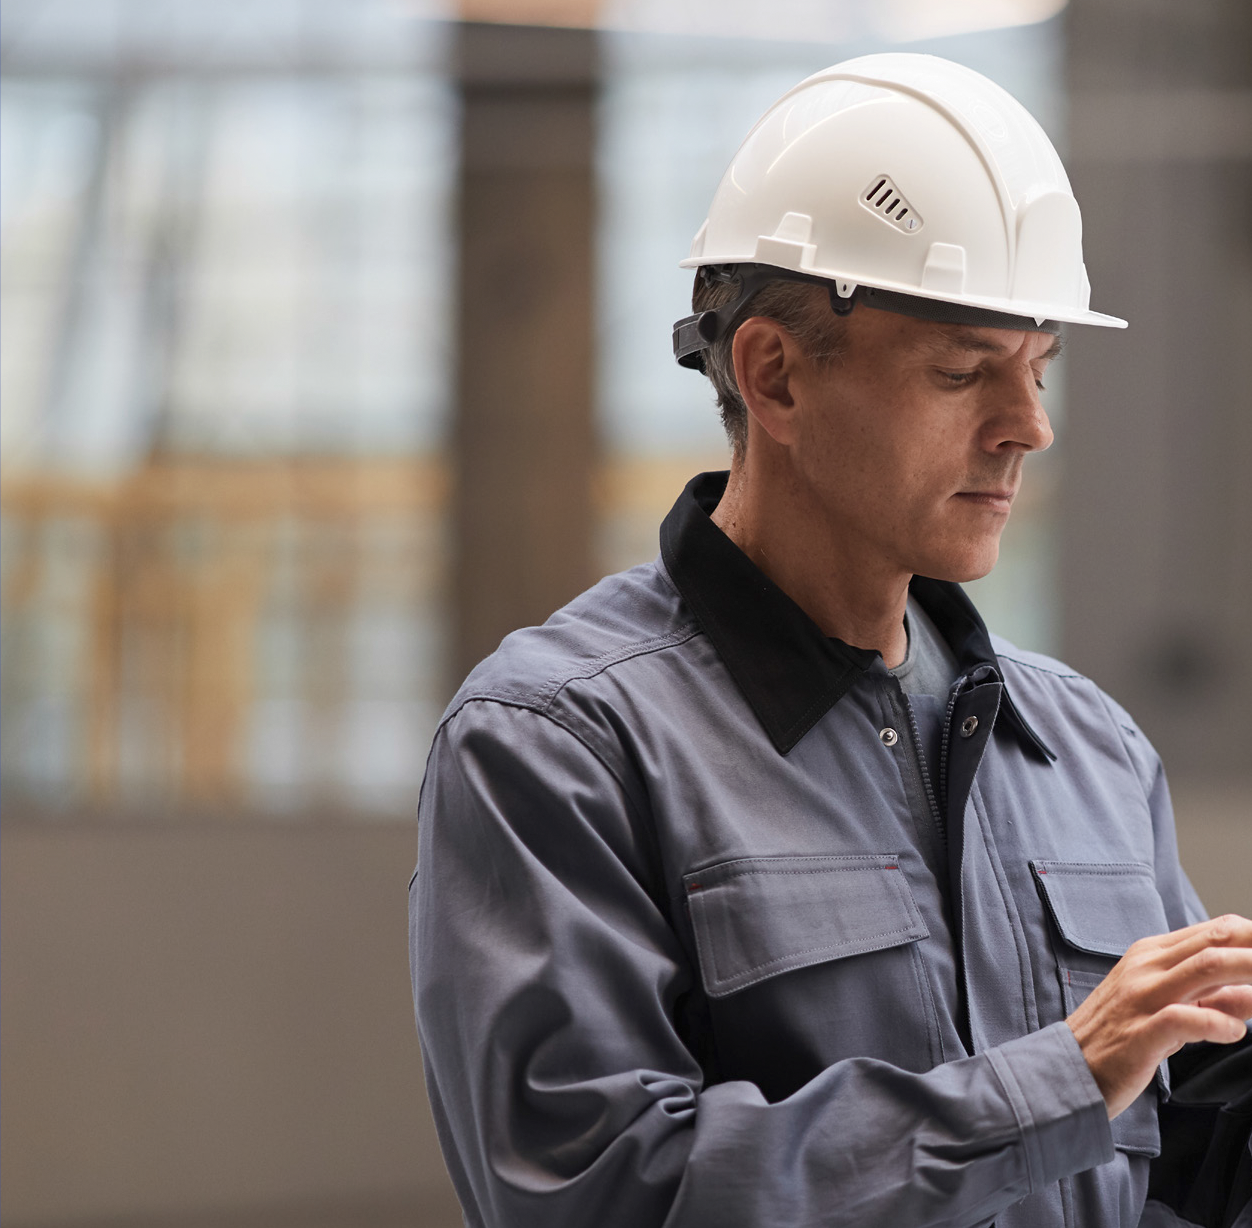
(1020,422)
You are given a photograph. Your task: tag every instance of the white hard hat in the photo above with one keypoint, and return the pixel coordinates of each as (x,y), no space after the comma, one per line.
(912,184)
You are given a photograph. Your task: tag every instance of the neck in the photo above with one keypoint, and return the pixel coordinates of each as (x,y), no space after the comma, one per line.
(851,595)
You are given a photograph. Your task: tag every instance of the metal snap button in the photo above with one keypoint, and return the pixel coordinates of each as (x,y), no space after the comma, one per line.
(968,725)
(888,736)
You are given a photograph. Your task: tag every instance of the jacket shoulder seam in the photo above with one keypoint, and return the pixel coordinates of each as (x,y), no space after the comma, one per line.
(640,648)
(541,695)
(1042,669)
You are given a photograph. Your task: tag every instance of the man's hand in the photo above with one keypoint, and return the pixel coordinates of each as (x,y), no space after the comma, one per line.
(1165,992)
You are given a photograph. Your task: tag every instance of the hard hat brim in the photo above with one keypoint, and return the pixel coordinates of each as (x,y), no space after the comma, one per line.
(846,282)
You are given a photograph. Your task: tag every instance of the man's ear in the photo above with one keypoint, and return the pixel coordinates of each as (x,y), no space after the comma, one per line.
(765,356)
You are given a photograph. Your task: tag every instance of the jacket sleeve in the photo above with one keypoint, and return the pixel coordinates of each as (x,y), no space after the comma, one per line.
(546,974)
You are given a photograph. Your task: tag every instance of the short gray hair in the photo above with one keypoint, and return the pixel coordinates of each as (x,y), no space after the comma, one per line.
(802,309)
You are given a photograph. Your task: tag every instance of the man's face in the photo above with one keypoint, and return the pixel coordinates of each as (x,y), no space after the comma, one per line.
(911,444)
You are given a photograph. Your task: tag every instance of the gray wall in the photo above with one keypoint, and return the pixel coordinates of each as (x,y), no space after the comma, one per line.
(1157,496)
(211,1022)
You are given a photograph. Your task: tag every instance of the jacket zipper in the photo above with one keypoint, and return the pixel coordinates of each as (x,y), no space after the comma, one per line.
(958,901)
(943,744)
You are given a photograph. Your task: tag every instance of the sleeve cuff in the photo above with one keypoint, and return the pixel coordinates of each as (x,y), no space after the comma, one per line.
(1061,1113)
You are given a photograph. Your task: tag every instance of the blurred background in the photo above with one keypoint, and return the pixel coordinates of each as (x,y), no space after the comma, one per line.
(336,345)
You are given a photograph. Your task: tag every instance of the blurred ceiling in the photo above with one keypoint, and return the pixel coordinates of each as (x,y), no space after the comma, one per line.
(243,34)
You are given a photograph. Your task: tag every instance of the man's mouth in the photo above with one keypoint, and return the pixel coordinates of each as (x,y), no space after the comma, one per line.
(993,500)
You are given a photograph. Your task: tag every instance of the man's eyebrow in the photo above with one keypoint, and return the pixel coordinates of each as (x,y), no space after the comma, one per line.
(966,339)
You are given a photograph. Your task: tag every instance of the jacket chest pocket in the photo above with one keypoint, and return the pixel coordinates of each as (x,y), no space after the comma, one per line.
(809,959)
(1098,910)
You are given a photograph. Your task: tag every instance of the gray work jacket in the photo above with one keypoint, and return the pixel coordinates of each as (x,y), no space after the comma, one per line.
(696,941)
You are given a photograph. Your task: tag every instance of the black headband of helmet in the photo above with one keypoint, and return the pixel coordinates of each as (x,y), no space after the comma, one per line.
(695,333)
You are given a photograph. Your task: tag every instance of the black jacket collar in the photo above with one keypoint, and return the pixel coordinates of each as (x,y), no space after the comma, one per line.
(790,672)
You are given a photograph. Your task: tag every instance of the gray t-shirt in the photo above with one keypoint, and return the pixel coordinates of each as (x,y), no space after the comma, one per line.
(925,675)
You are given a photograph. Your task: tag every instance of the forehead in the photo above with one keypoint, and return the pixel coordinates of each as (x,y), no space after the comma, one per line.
(963,340)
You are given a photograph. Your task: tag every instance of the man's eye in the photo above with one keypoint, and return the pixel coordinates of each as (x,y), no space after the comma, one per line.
(959,378)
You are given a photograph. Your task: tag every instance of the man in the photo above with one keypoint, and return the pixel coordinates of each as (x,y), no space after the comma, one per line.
(761,886)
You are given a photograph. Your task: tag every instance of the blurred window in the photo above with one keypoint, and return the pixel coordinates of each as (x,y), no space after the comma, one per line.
(225,376)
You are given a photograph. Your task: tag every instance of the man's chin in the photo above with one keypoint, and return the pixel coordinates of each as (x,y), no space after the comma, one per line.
(969,566)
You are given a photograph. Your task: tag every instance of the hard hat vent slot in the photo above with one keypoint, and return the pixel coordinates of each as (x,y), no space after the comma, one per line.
(883,199)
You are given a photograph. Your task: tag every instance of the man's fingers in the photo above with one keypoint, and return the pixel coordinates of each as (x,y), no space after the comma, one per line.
(1234,1000)
(1207,971)
(1230,930)
(1181,1024)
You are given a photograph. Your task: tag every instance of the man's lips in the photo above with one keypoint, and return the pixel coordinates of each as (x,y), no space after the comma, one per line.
(993,500)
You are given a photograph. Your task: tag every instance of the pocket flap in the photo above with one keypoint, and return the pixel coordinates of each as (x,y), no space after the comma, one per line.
(758,916)
(1101,907)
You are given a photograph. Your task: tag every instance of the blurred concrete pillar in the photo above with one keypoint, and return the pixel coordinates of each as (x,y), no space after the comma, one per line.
(524,434)
(1157,532)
